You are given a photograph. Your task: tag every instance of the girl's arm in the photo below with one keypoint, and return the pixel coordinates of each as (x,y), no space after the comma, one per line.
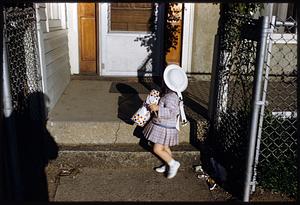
(168,109)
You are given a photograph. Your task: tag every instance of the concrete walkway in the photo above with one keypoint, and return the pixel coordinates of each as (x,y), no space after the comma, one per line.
(91,184)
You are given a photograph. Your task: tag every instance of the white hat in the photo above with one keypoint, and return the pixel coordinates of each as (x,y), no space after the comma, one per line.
(175,78)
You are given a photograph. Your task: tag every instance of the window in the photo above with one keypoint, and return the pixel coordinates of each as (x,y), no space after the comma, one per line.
(130,16)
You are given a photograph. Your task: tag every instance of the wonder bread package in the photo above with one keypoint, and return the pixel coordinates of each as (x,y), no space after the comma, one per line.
(143,114)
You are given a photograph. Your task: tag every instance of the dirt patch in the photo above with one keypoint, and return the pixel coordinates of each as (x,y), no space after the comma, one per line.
(54,172)
(260,195)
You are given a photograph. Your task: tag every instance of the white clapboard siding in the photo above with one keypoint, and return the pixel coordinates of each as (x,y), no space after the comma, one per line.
(57,53)
(55,78)
(42,14)
(44,26)
(54,34)
(57,84)
(57,64)
(55,23)
(55,28)
(54,67)
(57,69)
(59,81)
(42,5)
(54,43)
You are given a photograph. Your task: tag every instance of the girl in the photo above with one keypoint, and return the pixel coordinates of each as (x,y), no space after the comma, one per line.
(162,131)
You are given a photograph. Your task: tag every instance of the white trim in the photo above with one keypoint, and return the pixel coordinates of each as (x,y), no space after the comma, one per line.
(99,36)
(187,39)
(73,37)
(62,15)
(40,38)
(103,36)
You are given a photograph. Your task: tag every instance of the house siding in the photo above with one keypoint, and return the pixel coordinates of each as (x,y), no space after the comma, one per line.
(55,51)
(206,19)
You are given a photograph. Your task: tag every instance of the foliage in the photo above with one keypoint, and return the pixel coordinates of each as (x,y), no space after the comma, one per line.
(247,9)
(233,13)
(149,40)
(277,169)
(173,16)
(237,52)
(171,29)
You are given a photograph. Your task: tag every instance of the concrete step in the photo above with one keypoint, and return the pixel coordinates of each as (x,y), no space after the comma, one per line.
(72,133)
(115,156)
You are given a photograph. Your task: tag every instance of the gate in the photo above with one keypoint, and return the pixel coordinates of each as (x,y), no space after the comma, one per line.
(231,108)
(253,111)
(275,164)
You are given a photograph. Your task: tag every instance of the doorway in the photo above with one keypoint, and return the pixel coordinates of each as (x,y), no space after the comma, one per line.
(174,56)
(87,36)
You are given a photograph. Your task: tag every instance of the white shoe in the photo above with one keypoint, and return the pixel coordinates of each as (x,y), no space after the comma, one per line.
(161,169)
(173,170)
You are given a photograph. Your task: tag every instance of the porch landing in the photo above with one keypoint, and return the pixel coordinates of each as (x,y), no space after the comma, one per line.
(97,112)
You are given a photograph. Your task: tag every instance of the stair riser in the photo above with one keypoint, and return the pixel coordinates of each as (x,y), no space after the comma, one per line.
(95,133)
(117,159)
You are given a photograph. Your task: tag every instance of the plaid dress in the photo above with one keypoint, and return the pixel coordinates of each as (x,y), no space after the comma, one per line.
(162,128)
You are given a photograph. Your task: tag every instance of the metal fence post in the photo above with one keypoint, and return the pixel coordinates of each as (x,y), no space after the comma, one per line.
(2,169)
(264,95)
(11,158)
(256,103)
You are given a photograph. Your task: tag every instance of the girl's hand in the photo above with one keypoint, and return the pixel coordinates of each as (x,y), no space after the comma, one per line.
(154,107)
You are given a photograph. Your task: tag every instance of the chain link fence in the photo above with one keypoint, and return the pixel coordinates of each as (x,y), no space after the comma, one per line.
(230,125)
(22,54)
(276,156)
(275,160)
(25,118)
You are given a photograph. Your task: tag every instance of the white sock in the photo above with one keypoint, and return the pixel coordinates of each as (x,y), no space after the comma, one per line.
(171,163)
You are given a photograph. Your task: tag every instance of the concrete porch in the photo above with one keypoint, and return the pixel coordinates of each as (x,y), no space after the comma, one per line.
(97,112)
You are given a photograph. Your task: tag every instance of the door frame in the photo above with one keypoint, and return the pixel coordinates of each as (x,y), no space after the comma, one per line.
(73,38)
(187,36)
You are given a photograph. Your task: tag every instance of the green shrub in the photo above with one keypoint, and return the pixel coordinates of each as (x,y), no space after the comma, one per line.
(277,168)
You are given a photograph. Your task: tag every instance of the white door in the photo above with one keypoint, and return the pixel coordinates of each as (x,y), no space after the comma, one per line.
(120,54)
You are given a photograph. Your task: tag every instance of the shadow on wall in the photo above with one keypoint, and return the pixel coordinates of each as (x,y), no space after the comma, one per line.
(30,147)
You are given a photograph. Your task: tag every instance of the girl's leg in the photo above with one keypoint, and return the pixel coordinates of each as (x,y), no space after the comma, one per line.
(167,149)
(162,153)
